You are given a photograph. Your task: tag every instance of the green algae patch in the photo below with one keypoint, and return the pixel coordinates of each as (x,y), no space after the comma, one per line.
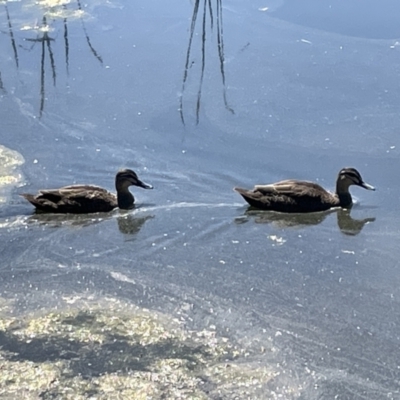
(118,351)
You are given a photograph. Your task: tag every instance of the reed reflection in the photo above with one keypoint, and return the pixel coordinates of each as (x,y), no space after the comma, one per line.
(53,13)
(210,12)
(1,84)
(11,34)
(89,43)
(45,41)
(347,224)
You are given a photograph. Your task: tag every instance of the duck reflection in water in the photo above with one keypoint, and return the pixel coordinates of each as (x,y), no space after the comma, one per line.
(128,223)
(350,226)
(347,224)
(131,224)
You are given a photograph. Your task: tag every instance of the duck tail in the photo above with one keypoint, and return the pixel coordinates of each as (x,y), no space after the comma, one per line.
(240,190)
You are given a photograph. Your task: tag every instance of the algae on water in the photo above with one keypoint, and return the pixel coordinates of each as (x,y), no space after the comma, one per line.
(119,351)
(10,176)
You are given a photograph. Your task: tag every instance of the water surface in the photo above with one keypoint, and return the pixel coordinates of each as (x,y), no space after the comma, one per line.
(270,91)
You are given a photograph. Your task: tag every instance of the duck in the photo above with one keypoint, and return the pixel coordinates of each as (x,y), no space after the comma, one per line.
(295,196)
(84,199)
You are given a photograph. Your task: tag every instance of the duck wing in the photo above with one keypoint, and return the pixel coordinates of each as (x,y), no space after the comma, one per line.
(292,187)
(75,199)
(290,196)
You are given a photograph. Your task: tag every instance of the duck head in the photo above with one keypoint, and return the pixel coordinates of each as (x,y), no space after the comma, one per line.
(126,178)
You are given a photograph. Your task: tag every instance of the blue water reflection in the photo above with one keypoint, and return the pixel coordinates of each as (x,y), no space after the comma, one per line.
(89,88)
(368,19)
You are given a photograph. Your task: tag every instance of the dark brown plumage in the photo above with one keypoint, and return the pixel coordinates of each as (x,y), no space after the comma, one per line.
(83,199)
(303,196)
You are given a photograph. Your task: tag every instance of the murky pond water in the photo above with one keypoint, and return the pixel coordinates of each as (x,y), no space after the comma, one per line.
(199,97)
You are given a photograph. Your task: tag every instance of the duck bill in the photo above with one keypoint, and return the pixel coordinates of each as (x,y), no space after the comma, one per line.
(367,186)
(143,185)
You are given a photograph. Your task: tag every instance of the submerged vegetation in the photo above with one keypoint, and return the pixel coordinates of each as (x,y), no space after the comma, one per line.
(117,351)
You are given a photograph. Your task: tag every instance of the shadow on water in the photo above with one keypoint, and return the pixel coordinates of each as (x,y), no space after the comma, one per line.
(346,224)
(208,14)
(62,11)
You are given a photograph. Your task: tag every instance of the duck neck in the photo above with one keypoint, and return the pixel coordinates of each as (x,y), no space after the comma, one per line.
(125,198)
(342,191)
